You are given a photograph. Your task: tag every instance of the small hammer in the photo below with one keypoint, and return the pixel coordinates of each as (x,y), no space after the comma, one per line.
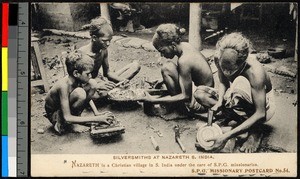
(177,138)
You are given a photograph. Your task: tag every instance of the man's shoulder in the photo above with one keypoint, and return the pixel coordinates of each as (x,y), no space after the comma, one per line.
(255,74)
(86,50)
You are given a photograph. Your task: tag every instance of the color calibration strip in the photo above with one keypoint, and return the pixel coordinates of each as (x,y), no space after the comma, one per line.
(9,33)
(12,89)
(4,102)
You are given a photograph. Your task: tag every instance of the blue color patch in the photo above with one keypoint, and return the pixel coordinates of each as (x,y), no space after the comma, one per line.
(4,156)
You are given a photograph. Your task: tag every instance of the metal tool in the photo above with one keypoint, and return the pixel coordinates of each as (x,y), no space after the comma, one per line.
(23,91)
(120,83)
(210,116)
(177,138)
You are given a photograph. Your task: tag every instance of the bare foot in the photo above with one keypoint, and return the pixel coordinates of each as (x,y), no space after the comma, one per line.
(229,146)
(77,128)
(252,143)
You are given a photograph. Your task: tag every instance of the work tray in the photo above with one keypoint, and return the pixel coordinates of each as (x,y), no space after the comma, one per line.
(115,128)
(127,95)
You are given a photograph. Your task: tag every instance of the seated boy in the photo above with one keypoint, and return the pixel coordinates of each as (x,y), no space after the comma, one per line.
(101,34)
(68,97)
(245,90)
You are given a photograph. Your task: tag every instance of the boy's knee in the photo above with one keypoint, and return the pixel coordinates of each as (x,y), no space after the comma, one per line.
(200,95)
(79,94)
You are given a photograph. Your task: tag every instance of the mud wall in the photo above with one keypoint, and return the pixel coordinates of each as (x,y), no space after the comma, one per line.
(63,16)
(53,16)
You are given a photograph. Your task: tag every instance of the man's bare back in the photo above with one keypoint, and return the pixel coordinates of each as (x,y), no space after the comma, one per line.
(196,64)
(52,101)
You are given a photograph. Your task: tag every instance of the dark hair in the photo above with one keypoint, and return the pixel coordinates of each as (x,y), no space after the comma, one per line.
(78,61)
(237,42)
(168,33)
(96,24)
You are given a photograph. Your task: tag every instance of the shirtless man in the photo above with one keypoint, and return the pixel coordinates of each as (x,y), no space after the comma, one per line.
(183,76)
(101,34)
(245,88)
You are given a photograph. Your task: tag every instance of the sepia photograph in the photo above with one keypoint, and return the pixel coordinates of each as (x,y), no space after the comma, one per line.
(173,82)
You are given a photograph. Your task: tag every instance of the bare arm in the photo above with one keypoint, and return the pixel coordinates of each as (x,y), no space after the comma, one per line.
(259,99)
(223,86)
(185,82)
(64,100)
(109,74)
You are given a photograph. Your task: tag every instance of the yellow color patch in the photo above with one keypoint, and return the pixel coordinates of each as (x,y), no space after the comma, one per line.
(4,68)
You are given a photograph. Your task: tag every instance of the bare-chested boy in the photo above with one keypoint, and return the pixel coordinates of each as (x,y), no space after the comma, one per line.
(245,88)
(183,76)
(69,96)
(101,34)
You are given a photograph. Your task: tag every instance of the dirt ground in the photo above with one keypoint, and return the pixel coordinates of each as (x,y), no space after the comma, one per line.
(281,135)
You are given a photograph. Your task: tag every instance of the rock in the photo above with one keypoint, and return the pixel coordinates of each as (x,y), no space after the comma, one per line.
(40,131)
(149,47)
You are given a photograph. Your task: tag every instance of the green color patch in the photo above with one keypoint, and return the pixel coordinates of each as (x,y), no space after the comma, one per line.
(4,112)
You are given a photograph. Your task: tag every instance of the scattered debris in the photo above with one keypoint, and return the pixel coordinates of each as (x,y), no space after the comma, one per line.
(82,34)
(263,57)
(150,126)
(279,90)
(43,40)
(158,133)
(53,62)
(40,131)
(66,40)
(57,41)
(154,143)
(284,71)
(66,45)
